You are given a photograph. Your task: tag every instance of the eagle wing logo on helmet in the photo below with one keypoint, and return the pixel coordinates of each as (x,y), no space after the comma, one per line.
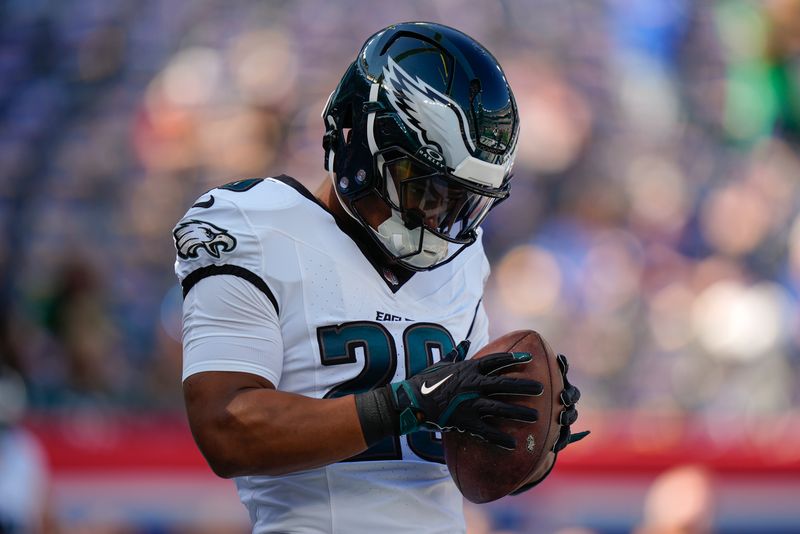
(193,235)
(437,120)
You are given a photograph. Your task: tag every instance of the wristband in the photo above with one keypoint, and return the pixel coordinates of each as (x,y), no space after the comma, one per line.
(378,418)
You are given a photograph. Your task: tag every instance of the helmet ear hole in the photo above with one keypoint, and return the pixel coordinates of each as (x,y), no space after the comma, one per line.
(348,123)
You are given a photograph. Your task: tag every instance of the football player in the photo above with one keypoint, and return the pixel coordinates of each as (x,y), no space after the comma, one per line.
(320,330)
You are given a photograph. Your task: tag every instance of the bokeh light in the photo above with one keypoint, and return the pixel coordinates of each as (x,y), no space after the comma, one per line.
(529,281)
(733,321)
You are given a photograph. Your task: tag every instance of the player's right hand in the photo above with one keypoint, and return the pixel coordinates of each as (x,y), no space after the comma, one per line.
(455,394)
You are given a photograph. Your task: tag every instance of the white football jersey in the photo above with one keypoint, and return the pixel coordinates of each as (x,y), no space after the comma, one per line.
(273,286)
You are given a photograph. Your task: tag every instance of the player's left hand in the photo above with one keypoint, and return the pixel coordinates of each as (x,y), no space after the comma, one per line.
(570,396)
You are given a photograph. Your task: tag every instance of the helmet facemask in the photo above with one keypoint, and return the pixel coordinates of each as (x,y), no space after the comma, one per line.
(421,216)
(434,215)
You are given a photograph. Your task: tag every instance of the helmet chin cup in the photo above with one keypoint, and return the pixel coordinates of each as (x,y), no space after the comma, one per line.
(416,248)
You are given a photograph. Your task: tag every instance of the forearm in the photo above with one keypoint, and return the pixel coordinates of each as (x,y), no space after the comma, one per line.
(269,432)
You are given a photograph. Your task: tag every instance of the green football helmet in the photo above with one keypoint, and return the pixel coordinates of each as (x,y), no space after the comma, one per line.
(420,139)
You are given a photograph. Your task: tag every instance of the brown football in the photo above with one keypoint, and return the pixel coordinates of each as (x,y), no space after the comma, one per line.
(485,472)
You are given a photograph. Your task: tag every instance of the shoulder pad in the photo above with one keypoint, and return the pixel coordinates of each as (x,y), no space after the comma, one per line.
(257,194)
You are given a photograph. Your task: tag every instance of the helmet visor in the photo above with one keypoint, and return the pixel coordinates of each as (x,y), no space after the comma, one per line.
(447,206)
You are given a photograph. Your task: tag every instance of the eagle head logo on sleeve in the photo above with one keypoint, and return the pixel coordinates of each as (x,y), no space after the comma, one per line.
(193,235)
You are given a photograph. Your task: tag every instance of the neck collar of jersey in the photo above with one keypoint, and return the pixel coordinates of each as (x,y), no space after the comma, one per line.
(394,276)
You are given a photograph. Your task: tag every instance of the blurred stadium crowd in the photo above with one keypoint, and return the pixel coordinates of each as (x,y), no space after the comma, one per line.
(653,231)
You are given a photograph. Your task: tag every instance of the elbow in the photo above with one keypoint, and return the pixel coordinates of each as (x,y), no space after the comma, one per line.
(225,444)
(218,441)
(232,431)
(222,468)
(219,458)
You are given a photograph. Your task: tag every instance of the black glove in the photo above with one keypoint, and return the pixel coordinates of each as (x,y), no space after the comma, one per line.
(453,394)
(569,398)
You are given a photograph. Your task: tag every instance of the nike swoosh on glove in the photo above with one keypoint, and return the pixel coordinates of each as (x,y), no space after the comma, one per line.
(455,394)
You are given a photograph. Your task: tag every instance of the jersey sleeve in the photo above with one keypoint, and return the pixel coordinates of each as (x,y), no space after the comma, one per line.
(229,325)
(215,237)
(230,313)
